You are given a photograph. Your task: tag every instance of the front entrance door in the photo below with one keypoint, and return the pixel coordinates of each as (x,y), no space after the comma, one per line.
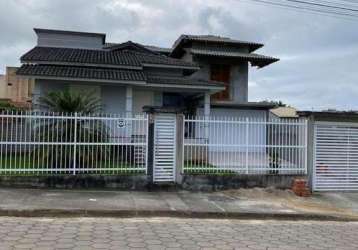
(164,148)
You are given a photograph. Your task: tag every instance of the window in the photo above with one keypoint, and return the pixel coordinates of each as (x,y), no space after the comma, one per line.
(221,73)
(173,100)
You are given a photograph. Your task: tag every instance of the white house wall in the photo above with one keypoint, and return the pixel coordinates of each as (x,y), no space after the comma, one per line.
(142,98)
(113,99)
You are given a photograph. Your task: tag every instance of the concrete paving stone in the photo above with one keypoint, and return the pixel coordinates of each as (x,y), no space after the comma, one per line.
(43,248)
(100,240)
(84,238)
(83,242)
(101,245)
(135,239)
(118,242)
(64,241)
(24,246)
(153,242)
(83,248)
(156,247)
(202,233)
(136,245)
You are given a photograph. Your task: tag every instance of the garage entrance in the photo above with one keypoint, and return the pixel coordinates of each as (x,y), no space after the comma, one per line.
(335,156)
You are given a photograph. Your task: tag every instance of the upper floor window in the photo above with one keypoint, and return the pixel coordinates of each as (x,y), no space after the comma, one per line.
(221,73)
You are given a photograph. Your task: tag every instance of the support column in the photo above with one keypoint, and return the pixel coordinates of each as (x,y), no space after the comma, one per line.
(207,113)
(129,109)
(207,105)
(129,101)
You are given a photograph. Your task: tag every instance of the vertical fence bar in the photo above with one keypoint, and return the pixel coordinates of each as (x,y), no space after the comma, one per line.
(306,145)
(74,145)
(247,145)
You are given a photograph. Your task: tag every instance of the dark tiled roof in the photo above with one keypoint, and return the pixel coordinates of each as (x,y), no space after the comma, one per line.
(150,47)
(129,45)
(99,57)
(213,40)
(159,49)
(150,54)
(182,81)
(81,72)
(114,75)
(145,58)
(68,55)
(255,59)
(217,39)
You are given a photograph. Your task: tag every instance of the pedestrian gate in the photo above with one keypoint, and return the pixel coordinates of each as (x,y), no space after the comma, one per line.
(164,148)
(336,157)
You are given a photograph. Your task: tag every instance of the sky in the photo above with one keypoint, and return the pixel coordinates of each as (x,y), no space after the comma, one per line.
(319,54)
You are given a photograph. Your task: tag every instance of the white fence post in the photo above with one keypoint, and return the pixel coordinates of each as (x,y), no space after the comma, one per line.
(247,145)
(75,144)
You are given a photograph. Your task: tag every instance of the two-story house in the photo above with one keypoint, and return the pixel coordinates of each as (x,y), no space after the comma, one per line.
(208,75)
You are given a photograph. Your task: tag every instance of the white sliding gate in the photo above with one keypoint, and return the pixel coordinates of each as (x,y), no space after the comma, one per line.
(164,148)
(336,157)
(240,145)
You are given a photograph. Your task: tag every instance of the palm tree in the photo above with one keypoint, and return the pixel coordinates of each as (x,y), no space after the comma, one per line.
(63,129)
(70,102)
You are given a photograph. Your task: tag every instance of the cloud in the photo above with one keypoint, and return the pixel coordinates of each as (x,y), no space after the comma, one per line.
(318,53)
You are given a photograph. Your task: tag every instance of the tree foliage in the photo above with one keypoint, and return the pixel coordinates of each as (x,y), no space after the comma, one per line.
(70,102)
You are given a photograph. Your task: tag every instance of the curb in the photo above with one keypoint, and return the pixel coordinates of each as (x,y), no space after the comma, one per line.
(63,213)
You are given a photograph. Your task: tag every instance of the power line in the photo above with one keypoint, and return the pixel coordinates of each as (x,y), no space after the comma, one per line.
(322,5)
(325,12)
(344,3)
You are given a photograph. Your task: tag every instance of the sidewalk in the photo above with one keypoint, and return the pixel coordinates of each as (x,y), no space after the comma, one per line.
(244,203)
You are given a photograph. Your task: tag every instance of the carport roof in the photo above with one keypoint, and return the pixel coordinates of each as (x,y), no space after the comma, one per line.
(247,105)
(329,114)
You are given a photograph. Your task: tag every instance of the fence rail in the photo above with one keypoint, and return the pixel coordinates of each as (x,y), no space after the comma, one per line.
(33,143)
(245,145)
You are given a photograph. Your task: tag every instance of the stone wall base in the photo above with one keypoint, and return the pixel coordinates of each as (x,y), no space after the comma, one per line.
(215,182)
(142,183)
(123,182)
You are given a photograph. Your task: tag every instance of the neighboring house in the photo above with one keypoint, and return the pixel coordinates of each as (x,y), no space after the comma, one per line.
(207,75)
(2,86)
(16,89)
(284,112)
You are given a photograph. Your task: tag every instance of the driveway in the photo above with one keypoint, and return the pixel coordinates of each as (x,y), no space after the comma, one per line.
(341,200)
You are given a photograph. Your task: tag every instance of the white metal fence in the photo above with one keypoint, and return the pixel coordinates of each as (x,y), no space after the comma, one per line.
(48,143)
(245,145)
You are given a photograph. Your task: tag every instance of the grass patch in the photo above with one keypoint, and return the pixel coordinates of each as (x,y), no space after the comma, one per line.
(23,165)
(205,169)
